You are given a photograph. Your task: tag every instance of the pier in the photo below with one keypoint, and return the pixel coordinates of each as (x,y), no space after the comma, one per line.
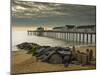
(81,37)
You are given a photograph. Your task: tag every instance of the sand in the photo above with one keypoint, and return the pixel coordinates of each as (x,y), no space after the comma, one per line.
(25,63)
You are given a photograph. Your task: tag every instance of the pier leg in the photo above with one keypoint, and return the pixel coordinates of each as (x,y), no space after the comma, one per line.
(64,36)
(76,37)
(79,37)
(69,37)
(52,34)
(73,36)
(60,35)
(55,35)
(87,38)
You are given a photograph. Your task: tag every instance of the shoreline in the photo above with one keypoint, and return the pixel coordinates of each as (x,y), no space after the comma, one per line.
(14,48)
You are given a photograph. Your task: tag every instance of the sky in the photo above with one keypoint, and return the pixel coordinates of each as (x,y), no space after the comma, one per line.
(30,13)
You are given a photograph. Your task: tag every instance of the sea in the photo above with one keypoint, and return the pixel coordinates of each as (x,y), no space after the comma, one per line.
(22,36)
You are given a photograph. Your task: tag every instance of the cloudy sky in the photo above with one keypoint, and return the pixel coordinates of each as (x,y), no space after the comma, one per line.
(29,13)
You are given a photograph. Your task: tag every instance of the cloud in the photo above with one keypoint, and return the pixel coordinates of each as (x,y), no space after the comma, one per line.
(30,9)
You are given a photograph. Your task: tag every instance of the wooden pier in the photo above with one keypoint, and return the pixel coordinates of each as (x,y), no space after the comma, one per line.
(73,36)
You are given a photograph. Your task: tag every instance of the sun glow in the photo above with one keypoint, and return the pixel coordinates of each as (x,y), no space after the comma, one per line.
(22,28)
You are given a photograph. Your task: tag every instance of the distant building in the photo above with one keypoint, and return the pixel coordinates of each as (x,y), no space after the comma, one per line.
(59,28)
(82,28)
(70,27)
(86,28)
(65,28)
(40,31)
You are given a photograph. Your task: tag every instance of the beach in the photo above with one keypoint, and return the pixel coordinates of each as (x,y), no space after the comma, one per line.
(25,63)
(52,37)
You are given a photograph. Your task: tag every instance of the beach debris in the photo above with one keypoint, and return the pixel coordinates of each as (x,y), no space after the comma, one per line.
(91,55)
(82,58)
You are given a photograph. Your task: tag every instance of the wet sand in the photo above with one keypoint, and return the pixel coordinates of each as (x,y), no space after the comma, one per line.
(25,63)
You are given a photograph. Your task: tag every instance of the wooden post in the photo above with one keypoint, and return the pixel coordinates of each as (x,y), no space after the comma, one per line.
(79,57)
(87,52)
(74,55)
(84,59)
(87,38)
(90,55)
